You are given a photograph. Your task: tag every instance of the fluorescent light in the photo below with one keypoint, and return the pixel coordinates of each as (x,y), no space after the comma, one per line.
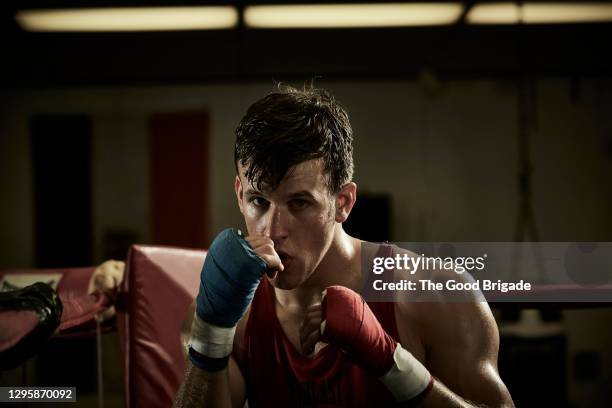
(540,13)
(495,13)
(129,19)
(351,15)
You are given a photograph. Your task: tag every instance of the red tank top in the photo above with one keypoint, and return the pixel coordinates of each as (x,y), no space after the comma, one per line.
(277,375)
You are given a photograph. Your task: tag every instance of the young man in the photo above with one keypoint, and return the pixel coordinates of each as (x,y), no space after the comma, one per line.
(279,321)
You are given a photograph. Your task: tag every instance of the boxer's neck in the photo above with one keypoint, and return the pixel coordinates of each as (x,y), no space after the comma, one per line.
(341,265)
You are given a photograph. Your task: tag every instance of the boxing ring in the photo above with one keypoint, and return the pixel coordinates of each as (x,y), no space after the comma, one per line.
(153,299)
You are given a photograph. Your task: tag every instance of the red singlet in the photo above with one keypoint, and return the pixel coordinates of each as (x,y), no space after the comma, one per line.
(277,375)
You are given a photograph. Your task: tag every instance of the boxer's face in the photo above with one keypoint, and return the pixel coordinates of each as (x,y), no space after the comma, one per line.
(299,216)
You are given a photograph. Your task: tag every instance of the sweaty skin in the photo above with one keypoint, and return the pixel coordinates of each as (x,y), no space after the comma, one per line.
(297,230)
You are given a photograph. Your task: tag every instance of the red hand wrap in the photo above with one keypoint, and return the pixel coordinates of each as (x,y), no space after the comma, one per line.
(352,326)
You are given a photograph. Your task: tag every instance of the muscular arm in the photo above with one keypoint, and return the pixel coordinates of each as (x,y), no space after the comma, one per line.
(225,388)
(462,343)
(222,389)
(229,278)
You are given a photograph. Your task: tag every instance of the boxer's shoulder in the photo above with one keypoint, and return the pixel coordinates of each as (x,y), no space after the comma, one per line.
(443,322)
(439,332)
(440,319)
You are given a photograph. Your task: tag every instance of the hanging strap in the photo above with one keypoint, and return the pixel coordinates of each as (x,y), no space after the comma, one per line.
(99,361)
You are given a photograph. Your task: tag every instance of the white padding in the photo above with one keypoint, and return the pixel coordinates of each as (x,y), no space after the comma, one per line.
(408,377)
(210,340)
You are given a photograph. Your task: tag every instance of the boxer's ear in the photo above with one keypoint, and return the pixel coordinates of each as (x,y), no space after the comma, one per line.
(239,192)
(345,200)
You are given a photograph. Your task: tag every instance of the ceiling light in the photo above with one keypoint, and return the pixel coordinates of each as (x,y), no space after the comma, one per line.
(351,15)
(129,19)
(540,13)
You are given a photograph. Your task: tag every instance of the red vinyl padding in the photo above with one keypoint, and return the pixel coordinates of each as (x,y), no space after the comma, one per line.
(73,283)
(160,284)
(79,307)
(15,325)
(81,310)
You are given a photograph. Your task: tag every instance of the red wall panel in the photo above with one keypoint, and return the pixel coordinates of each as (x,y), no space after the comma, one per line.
(179,178)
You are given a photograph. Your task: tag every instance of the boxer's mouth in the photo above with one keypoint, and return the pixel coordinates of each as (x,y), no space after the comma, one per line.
(284,257)
(272,273)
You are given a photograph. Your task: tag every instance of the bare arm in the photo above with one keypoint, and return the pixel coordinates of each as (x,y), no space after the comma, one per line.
(222,389)
(212,377)
(225,388)
(463,348)
(459,344)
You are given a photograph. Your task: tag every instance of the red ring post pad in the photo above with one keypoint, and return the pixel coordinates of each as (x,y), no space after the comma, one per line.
(150,330)
(229,278)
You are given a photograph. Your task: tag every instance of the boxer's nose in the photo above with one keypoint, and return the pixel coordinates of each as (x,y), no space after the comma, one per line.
(276,224)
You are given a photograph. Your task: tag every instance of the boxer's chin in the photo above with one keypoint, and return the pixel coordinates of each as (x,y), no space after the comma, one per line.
(286,280)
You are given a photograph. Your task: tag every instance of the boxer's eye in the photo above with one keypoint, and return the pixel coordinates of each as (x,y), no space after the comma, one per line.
(299,204)
(259,202)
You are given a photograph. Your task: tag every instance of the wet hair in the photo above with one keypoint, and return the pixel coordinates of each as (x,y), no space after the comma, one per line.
(290,126)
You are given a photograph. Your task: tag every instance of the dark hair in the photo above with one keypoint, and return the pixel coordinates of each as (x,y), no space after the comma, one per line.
(290,126)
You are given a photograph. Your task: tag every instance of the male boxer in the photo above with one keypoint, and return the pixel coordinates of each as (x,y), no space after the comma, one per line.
(278,317)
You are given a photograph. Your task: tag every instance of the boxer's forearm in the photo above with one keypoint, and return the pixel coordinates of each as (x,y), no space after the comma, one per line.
(228,281)
(441,396)
(204,389)
(410,381)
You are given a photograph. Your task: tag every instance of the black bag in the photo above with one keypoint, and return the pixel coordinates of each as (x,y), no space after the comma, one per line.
(44,304)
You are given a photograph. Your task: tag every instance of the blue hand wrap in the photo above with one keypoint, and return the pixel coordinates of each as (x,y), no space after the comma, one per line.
(211,365)
(229,278)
